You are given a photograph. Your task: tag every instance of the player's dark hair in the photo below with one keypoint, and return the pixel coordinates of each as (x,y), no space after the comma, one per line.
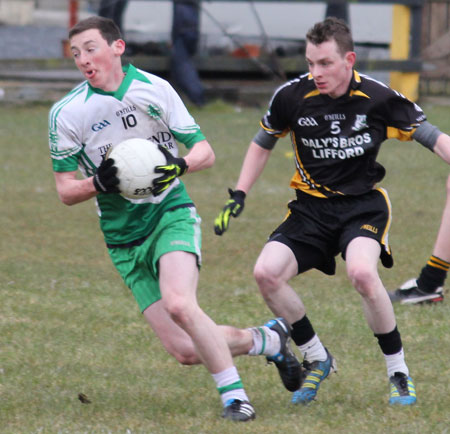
(107,28)
(332,28)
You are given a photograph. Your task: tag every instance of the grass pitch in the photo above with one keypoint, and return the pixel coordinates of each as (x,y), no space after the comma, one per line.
(68,325)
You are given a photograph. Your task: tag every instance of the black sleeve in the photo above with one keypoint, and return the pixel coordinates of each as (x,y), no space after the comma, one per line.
(276,120)
(402,115)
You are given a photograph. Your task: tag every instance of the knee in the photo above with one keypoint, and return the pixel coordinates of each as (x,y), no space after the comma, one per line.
(187,358)
(179,310)
(184,353)
(162,317)
(266,278)
(179,345)
(364,279)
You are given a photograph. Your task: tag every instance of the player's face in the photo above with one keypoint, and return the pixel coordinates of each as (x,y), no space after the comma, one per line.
(99,62)
(330,70)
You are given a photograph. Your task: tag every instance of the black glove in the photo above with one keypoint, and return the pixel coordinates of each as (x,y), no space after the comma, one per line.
(233,207)
(174,167)
(105,179)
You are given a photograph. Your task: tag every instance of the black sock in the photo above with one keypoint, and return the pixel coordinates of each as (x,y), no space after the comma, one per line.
(302,331)
(390,343)
(433,274)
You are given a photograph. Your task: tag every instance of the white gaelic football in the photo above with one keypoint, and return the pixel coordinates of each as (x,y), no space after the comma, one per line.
(136,160)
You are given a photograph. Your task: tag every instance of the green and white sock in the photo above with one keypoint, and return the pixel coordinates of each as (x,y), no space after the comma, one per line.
(229,385)
(265,342)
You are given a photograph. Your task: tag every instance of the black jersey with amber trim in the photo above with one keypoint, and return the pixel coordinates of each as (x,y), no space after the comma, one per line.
(336,141)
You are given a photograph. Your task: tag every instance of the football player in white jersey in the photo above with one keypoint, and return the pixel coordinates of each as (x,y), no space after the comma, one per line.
(154,242)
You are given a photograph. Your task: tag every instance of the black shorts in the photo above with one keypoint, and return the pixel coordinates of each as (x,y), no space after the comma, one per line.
(317,229)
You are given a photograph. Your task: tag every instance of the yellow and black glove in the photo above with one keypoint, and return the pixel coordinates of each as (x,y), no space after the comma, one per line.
(173,168)
(233,207)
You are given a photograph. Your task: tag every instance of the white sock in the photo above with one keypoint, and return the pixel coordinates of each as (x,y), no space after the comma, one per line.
(313,350)
(396,363)
(265,341)
(229,385)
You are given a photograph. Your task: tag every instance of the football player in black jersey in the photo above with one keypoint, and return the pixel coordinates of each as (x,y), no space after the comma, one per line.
(337,120)
(428,287)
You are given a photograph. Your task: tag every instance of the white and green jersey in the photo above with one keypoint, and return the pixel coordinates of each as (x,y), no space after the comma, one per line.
(87,122)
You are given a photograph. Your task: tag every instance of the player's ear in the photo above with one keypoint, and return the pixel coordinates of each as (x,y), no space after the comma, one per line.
(350,59)
(119,47)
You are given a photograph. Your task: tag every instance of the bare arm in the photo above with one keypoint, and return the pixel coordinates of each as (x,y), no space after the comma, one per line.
(72,190)
(442,147)
(201,156)
(252,167)
(442,245)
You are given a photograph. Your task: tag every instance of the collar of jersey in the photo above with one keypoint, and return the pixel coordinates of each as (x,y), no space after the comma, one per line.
(131,73)
(356,80)
(353,87)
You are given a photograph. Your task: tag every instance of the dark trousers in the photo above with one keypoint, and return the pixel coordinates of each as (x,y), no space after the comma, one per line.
(185,37)
(113,9)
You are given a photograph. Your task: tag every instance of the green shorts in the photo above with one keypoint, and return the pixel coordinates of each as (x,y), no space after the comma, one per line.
(138,265)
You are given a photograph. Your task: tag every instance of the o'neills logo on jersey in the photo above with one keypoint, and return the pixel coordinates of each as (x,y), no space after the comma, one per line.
(307,121)
(335,117)
(340,148)
(369,228)
(126,110)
